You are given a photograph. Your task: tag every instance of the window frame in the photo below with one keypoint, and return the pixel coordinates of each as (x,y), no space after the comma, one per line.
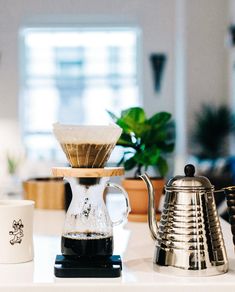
(72,28)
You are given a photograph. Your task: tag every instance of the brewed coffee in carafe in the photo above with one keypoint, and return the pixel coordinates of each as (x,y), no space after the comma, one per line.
(88,228)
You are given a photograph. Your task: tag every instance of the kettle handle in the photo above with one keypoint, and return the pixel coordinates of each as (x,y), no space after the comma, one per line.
(152,222)
(128,208)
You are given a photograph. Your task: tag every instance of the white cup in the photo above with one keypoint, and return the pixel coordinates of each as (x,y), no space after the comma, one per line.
(16,231)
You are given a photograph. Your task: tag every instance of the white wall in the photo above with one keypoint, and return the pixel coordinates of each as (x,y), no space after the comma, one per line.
(204,56)
(155,18)
(201,59)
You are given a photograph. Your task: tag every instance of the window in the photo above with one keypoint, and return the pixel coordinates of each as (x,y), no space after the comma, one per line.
(73,76)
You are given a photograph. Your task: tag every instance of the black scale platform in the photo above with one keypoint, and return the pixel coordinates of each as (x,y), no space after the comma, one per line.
(100,267)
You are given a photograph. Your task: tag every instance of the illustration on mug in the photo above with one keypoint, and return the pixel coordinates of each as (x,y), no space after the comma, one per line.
(17,232)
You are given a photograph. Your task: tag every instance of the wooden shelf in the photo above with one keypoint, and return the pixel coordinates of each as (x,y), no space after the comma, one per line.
(87,172)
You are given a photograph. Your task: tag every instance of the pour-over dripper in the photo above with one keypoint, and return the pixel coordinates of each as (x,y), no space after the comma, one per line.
(85,145)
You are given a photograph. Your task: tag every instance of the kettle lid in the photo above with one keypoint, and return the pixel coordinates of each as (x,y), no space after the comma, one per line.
(189,181)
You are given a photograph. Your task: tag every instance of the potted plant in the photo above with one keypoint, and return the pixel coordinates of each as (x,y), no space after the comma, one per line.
(12,164)
(146,141)
(210,135)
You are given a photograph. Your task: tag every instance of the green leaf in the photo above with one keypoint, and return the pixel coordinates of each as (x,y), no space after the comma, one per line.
(125,127)
(131,127)
(159,119)
(112,115)
(133,115)
(133,121)
(140,129)
(12,164)
(130,163)
(156,136)
(162,137)
(125,140)
(148,156)
(162,166)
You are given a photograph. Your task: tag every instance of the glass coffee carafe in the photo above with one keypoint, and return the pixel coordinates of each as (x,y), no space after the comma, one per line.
(87,239)
(88,229)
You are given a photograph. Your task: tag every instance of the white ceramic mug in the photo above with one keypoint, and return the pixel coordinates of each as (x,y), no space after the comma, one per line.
(16,231)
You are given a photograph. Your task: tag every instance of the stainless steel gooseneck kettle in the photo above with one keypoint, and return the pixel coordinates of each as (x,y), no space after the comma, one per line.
(188,238)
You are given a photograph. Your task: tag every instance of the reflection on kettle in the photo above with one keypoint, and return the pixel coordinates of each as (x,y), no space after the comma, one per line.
(189,239)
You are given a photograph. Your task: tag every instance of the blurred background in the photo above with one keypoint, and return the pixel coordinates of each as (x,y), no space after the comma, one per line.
(70,61)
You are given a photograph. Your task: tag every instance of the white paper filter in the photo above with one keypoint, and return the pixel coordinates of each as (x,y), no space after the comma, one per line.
(87,146)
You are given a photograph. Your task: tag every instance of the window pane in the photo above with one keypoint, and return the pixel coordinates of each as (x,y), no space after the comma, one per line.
(74,76)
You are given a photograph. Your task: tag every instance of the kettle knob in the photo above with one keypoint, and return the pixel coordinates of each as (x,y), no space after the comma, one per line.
(189,170)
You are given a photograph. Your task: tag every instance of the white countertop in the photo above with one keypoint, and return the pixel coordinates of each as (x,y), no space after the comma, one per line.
(132,241)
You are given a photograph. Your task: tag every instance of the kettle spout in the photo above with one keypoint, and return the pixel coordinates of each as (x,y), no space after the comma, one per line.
(151,206)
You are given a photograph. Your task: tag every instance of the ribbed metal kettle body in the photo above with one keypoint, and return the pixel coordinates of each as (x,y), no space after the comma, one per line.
(189,236)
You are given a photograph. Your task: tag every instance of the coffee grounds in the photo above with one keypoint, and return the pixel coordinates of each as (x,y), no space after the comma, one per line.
(87,155)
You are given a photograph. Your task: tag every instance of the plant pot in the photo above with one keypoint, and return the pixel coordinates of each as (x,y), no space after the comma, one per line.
(48,193)
(138,196)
